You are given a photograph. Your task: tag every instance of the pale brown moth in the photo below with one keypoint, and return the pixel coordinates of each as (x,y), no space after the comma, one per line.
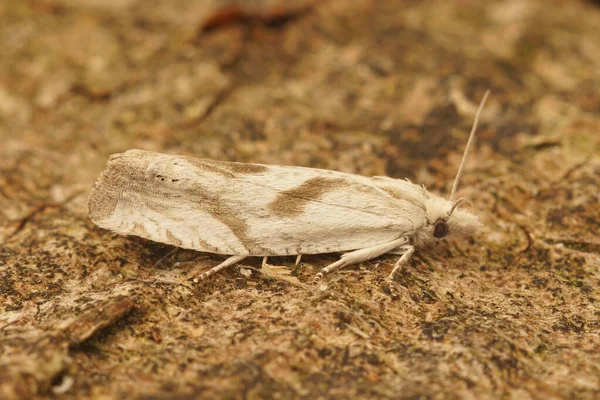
(244,210)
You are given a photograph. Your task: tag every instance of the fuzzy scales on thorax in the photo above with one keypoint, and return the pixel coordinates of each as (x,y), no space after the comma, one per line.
(432,208)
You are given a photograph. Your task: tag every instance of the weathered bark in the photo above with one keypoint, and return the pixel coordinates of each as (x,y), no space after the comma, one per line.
(370,87)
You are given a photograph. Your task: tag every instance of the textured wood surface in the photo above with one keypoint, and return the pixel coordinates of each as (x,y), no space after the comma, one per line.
(368,87)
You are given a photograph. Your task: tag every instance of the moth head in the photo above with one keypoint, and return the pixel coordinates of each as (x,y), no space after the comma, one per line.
(446,219)
(443,216)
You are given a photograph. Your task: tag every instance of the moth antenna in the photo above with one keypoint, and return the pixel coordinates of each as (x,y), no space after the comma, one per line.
(456,203)
(464,157)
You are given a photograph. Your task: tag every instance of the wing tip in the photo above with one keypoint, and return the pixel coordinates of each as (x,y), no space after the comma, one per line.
(107,189)
(101,202)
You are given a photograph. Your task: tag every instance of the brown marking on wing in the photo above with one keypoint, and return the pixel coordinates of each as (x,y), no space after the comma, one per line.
(128,172)
(174,240)
(210,166)
(227,169)
(210,248)
(292,202)
(230,217)
(209,203)
(245,168)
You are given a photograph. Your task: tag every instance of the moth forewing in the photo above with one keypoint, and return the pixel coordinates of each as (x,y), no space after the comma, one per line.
(244,209)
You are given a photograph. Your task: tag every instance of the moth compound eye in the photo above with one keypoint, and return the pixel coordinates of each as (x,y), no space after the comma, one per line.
(440,229)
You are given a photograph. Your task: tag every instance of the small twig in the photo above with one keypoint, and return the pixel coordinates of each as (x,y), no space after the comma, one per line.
(98,317)
(358,332)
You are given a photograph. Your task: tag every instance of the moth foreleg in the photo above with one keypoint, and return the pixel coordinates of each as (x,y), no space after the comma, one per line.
(361,255)
(264,261)
(402,260)
(228,262)
(298,258)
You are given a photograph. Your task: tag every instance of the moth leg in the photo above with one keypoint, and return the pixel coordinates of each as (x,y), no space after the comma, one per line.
(361,255)
(401,261)
(228,262)
(264,261)
(298,257)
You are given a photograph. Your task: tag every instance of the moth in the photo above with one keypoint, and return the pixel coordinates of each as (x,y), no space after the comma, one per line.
(243,210)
